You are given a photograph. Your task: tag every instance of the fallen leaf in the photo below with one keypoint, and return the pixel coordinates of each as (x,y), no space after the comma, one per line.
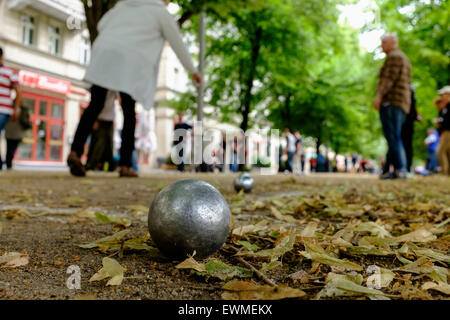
(382,278)
(286,245)
(13,260)
(441,287)
(218,269)
(113,241)
(316,253)
(111,268)
(191,263)
(309,230)
(249,246)
(421,265)
(110,219)
(270,266)
(420,235)
(242,290)
(283,217)
(429,253)
(343,285)
(374,228)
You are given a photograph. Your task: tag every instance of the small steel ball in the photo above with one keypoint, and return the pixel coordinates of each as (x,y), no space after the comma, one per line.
(244,182)
(187,216)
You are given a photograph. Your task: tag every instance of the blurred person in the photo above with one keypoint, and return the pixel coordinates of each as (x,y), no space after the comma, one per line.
(290,150)
(125,58)
(146,141)
(443,105)
(408,131)
(432,143)
(9,109)
(393,101)
(185,128)
(320,167)
(234,165)
(101,145)
(14,133)
(298,152)
(313,163)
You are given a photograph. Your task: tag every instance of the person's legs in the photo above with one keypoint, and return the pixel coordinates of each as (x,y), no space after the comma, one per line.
(444,152)
(392,119)
(98,97)
(4,118)
(109,148)
(407,140)
(11,148)
(290,161)
(90,115)
(128,132)
(96,147)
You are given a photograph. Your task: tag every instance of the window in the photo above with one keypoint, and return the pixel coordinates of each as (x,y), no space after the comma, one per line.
(85,53)
(28,30)
(54,40)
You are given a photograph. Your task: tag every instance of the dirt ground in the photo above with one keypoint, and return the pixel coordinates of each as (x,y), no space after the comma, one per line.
(41,216)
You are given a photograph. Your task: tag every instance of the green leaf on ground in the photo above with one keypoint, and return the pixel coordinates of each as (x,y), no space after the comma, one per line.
(111,268)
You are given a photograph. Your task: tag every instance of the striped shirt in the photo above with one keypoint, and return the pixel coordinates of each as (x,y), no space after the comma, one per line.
(395,81)
(8,80)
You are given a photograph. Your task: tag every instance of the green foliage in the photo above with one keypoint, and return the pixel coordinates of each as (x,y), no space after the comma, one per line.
(290,63)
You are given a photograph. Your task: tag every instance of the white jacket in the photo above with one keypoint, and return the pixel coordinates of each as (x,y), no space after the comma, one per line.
(127,52)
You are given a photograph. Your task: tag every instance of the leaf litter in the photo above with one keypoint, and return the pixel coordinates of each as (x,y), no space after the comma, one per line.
(373,241)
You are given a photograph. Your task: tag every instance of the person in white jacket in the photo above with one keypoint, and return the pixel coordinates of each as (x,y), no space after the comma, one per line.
(125,58)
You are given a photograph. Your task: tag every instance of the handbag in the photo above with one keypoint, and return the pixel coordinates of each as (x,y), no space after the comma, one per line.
(24,118)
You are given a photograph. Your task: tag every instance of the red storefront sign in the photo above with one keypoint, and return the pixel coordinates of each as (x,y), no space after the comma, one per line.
(39,81)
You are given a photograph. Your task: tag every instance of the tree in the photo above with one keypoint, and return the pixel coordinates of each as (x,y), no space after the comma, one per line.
(96,9)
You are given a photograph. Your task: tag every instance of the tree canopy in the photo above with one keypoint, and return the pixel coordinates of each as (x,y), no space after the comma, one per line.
(292,63)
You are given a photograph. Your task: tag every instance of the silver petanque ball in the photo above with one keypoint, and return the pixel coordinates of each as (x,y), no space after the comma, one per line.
(187,216)
(244,182)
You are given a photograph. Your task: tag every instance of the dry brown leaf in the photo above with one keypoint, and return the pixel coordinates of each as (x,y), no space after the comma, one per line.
(441,287)
(419,235)
(243,290)
(13,260)
(191,263)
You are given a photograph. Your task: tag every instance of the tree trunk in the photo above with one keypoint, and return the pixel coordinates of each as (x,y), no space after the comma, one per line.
(94,13)
(246,106)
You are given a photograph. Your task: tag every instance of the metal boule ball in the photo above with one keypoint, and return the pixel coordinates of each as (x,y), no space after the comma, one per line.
(244,182)
(187,216)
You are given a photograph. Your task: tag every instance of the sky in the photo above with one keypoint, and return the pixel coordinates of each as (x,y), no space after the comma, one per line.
(357,16)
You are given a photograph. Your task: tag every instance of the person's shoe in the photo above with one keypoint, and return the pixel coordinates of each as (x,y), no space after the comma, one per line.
(126,172)
(76,167)
(386,176)
(403,175)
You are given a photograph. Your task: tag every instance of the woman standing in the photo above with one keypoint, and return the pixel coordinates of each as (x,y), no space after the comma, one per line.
(14,133)
(125,58)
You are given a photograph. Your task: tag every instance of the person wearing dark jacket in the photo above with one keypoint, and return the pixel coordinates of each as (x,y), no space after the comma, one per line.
(408,131)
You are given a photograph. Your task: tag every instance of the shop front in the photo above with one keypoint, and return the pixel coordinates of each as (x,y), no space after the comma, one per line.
(45,99)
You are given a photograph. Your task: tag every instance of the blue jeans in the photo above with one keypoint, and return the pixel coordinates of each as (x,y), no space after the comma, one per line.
(432,161)
(234,165)
(290,161)
(392,119)
(4,118)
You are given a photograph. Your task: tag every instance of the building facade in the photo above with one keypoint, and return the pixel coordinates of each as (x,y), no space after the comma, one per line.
(47,44)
